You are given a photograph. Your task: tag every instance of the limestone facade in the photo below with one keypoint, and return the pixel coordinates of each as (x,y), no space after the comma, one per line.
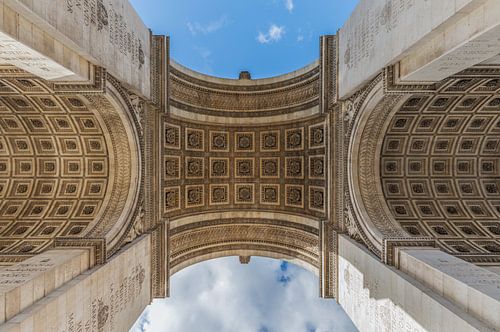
(375,167)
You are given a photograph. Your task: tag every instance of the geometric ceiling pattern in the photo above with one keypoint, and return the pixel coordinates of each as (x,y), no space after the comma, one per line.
(256,145)
(440,166)
(53,166)
(266,168)
(245,167)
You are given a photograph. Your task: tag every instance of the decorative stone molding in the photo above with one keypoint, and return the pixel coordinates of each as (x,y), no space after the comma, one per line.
(160,63)
(391,244)
(160,260)
(97,247)
(155,167)
(392,126)
(328,72)
(328,261)
(365,114)
(205,95)
(245,259)
(193,242)
(96,85)
(126,136)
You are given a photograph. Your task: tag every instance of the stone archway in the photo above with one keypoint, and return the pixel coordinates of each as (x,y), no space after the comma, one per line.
(111,182)
(69,165)
(253,157)
(439,165)
(244,233)
(409,170)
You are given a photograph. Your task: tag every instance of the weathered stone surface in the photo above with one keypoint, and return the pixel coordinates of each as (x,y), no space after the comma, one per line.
(435,36)
(23,284)
(474,289)
(467,40)
(59,39)
(106,298)
(380,298)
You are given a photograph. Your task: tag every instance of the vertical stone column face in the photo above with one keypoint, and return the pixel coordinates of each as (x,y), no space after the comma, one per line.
(378,297)
(107,298)
(422,162)
(154,156)
(329,226)
(431,40)
(473,289)
(24,283)
(61,40)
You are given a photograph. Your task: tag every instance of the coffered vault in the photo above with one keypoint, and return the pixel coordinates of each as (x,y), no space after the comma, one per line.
(120,167)
(424,164)
(246,166)
(69,165)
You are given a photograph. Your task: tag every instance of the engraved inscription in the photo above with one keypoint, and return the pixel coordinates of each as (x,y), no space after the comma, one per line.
(107,19)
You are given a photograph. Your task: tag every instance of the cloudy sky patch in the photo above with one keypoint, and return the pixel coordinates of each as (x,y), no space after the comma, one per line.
(224,296)
(274,34)
(230,30)
(210,27)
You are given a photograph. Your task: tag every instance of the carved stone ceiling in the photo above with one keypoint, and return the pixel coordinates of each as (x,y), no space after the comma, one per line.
(440,165)
(65,165)
(277,168)
(54,166)
(201,94)
(278,165)
(244,149)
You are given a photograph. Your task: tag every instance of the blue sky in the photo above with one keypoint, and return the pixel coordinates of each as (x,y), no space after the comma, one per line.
(224,37)
(224,296)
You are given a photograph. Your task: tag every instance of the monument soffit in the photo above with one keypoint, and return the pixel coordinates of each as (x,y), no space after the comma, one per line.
(423,161)
(69,164)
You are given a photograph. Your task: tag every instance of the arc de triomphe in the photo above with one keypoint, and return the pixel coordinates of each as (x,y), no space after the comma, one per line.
(377,166)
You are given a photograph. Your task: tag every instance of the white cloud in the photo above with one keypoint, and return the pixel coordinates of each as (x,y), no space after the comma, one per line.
(205,29)
(289,5)
(274,34)
(304,34)
(204,52)
(224,296)
(206,56)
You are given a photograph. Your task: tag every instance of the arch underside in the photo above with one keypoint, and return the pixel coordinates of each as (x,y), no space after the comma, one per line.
(272,166)
(432,156)
(246,167)
(213,97)
(67,164)
(193,241)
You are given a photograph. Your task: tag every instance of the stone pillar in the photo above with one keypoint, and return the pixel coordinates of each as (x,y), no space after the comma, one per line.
(430,40)
(474,289)
(109,297)
(23,284)
(60,40)
(154,154)
(378,297)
